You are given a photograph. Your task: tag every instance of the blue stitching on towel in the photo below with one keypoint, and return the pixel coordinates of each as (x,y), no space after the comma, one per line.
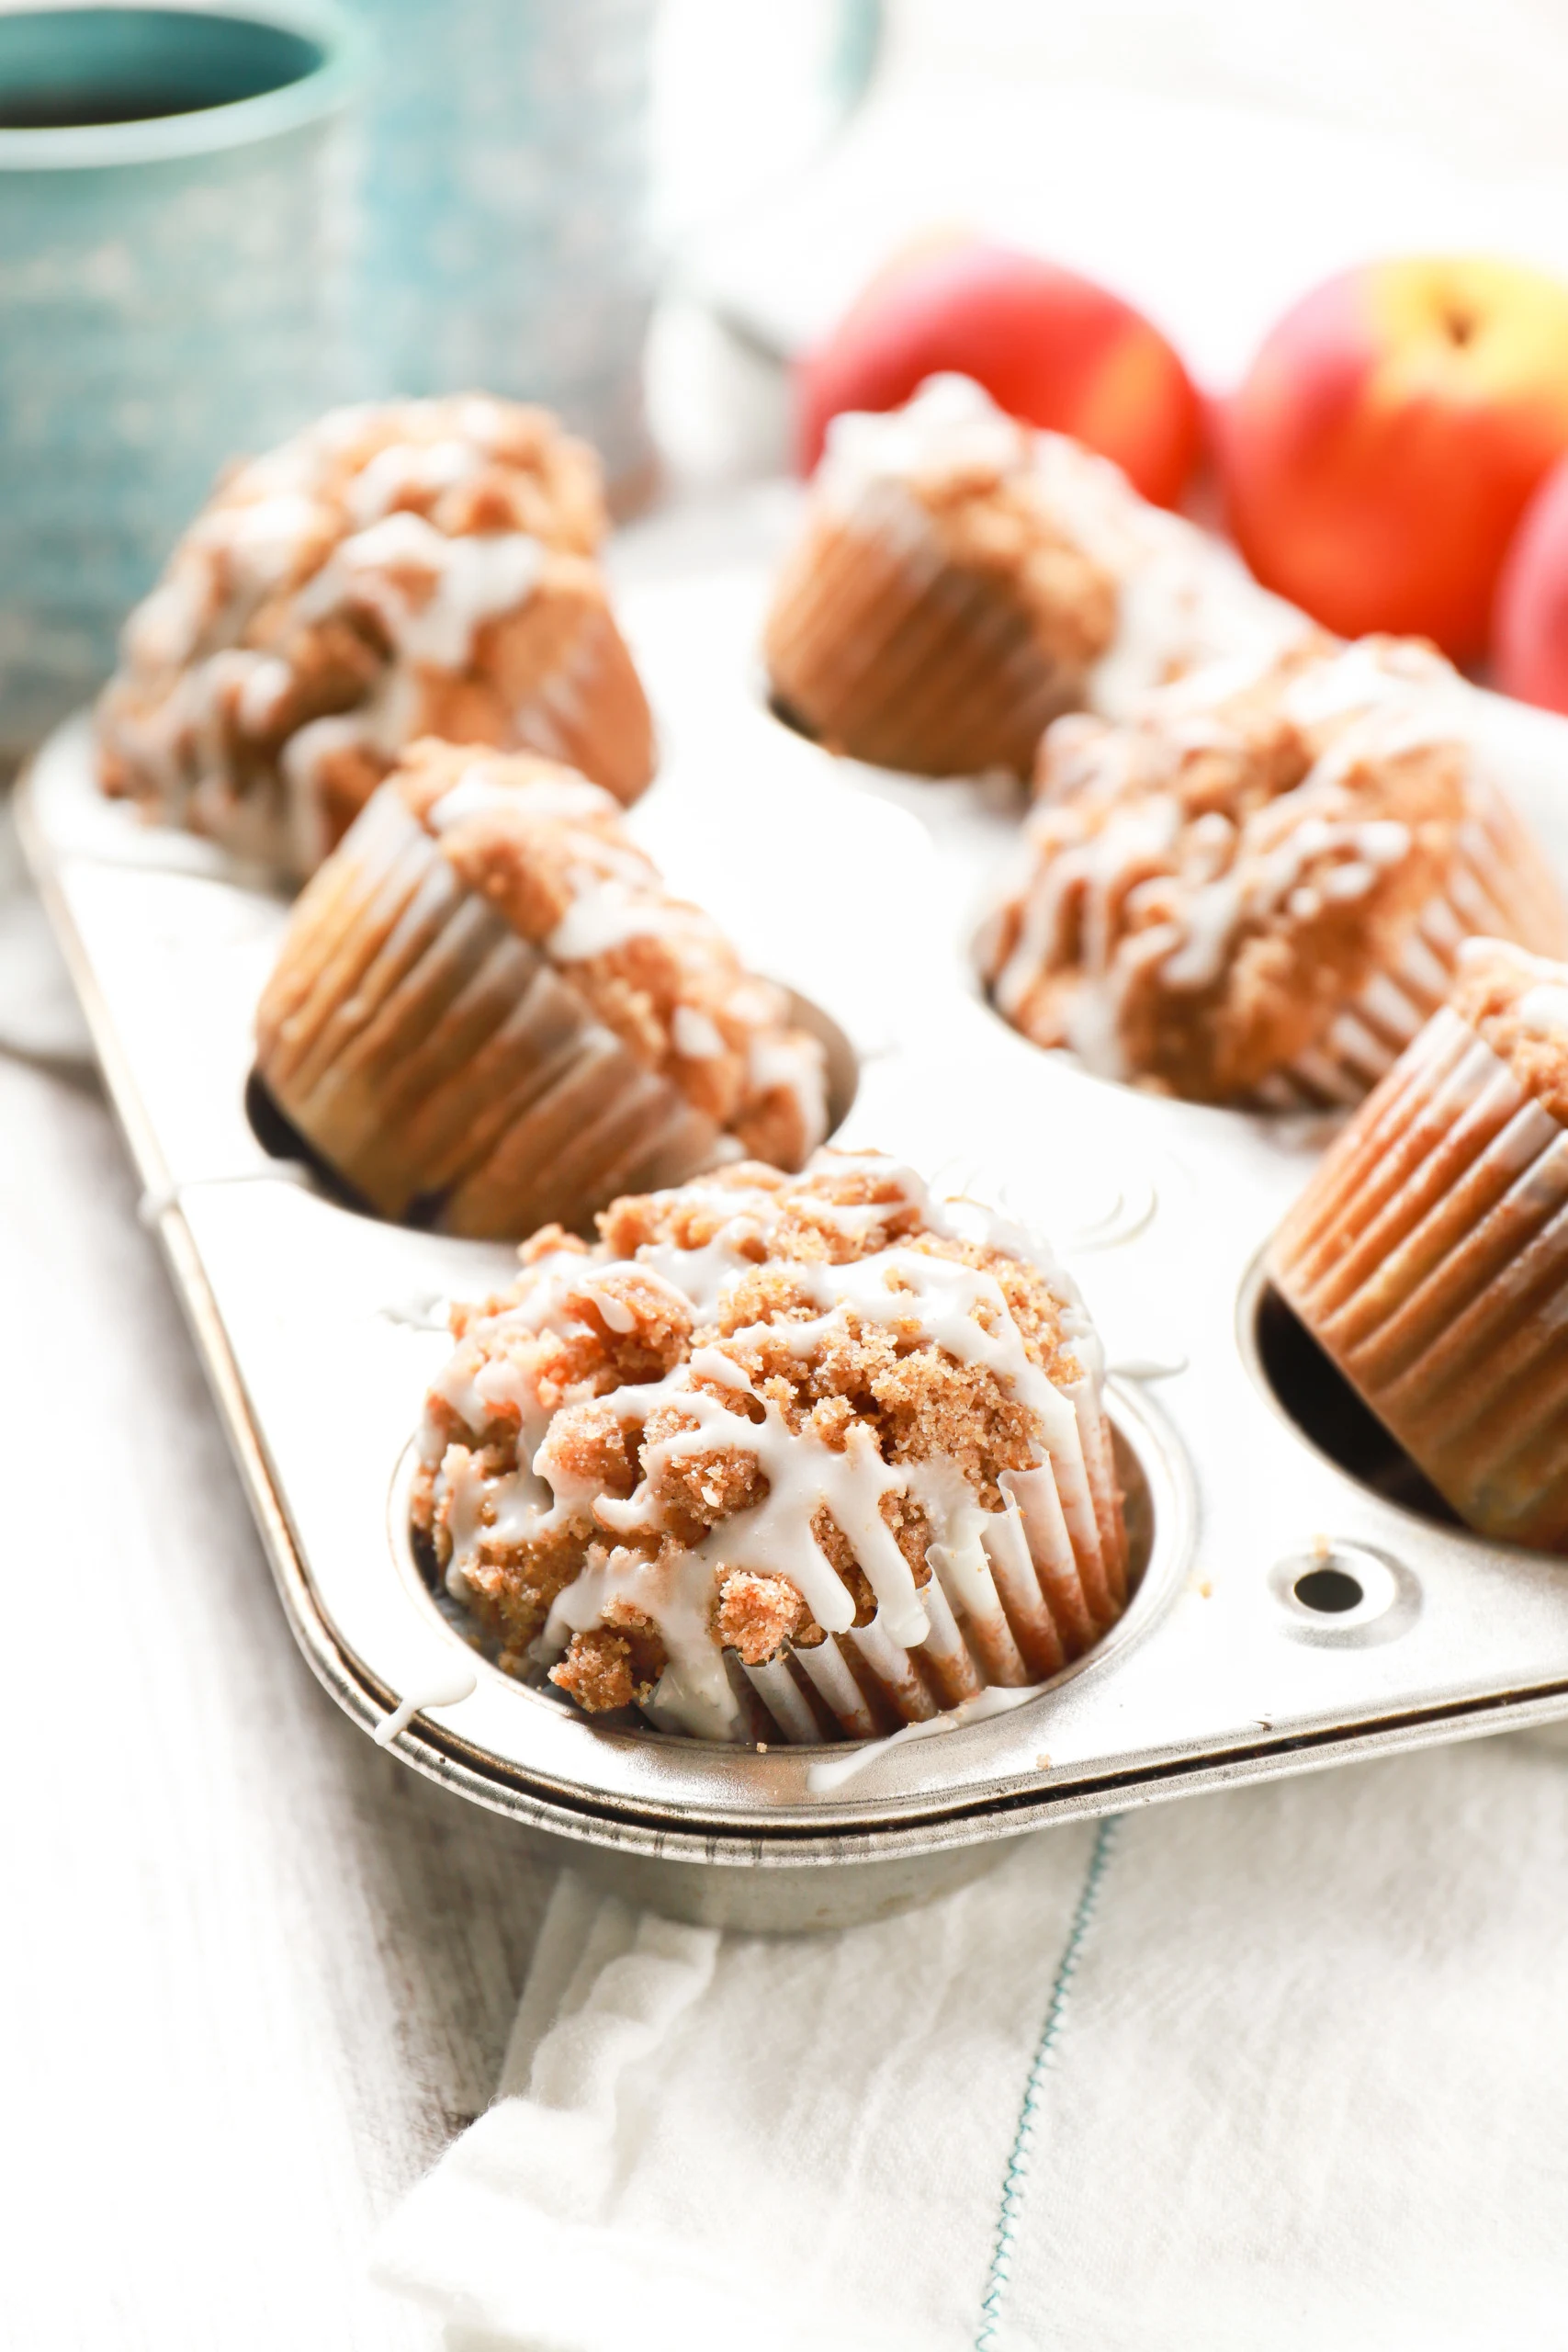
(1016,2177)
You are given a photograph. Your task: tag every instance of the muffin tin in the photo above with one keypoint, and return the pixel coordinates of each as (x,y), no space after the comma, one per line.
(1301,1598)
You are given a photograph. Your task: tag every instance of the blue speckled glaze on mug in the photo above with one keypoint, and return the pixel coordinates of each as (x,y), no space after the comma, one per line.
(172,197)
(505,234)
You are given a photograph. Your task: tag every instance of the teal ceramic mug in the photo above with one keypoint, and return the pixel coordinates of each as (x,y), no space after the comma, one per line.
(172,234)
(505,238)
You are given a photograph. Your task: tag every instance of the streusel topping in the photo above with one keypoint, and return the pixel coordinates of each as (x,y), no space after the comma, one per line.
(551,853)
(1518,1003)
(1203,888)
(391,570)
(743,1420)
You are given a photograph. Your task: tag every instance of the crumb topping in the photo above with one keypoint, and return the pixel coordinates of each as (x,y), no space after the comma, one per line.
(423,566)
(1518,1003)
(746,1419)
(550,851)
(1202,890)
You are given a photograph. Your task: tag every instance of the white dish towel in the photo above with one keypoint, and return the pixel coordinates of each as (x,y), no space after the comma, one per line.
(1275,2071)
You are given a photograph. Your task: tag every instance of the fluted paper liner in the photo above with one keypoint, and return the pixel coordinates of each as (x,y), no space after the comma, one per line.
(1054,1579)
(1430,1258)
(589,710)
(880,646)
(443,1066)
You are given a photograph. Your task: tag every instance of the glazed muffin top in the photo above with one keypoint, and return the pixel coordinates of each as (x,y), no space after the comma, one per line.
(1518,1003)
(1201,889)
(1122,592)
(345,592)
(550,853)
(738,1421)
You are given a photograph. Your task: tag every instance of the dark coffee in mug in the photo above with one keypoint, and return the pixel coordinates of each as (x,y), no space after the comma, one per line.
(65,68)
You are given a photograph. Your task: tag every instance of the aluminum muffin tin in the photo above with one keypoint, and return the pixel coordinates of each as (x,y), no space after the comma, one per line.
(1300,1599)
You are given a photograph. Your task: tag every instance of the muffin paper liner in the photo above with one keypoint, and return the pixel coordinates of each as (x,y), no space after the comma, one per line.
(1497,889)
(785,1703)
(885,649)
(1050,1580)
(591,713)
(443,1066)
(1430,1258)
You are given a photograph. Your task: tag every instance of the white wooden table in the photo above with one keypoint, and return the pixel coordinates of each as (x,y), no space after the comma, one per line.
(254,1973)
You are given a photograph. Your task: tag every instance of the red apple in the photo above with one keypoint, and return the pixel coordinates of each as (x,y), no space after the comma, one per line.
(1049,347)
(1529,642)
(1378,458)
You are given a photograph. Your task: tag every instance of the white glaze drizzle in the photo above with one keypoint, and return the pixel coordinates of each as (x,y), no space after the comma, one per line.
(380,725)
(1541,1004)
(607,910)
(825,1773)
(302,523)
(565,798)
(944,1302)
(448,1688)
(1378,700)
(949,426)
(392,473)
(1544,1008)
(695,1035)
(431,593)
(423,1310)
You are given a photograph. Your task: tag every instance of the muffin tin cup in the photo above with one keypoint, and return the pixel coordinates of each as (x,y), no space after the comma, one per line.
(1431,1262)
(1287,1607)
(443,1065)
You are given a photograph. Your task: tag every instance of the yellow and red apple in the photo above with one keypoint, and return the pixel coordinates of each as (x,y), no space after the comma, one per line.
(1378,458)
(1050,347)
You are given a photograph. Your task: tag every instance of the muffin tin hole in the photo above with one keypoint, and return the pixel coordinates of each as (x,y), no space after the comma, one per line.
(1345,1595)
(1315,1395)
(1330,1591)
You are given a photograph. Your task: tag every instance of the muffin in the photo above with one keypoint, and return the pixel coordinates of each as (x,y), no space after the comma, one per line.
(489,1012)
(1428,1254)
(796,1460)
(963,580)
(1255,889)
(422,568)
